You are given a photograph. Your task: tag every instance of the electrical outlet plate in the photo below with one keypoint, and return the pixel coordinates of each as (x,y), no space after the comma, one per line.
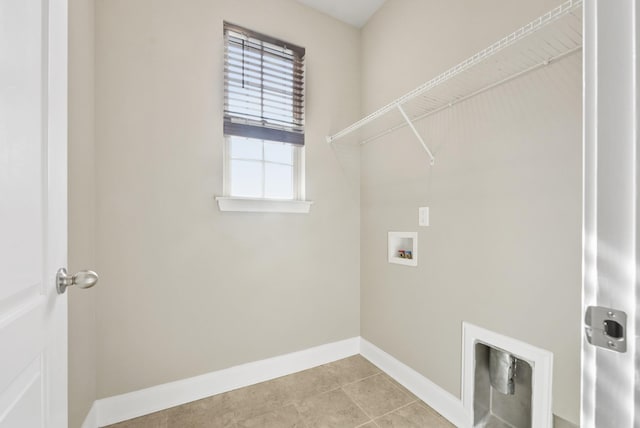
(423,216)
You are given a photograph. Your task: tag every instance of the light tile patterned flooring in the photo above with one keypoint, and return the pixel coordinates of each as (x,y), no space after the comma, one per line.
(349,393)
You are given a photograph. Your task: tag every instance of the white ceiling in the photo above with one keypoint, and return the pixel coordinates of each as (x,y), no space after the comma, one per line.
(353,12)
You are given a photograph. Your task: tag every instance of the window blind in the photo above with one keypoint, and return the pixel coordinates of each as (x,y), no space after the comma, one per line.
(263,87)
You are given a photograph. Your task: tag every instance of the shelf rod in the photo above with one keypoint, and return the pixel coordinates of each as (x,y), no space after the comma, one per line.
(475,93)
(479,57)
(415,131)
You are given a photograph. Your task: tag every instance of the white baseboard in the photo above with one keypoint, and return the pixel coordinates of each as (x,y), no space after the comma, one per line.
(138,403)
(440,400)
(91,421)
(119,408)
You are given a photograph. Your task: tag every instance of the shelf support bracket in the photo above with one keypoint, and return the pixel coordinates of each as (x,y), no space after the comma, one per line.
(417,134)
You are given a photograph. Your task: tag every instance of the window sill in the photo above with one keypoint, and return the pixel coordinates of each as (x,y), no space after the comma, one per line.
(263,205)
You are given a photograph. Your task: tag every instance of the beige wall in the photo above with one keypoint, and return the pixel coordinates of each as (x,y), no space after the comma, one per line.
(503,249)
(82,303)
(186,289)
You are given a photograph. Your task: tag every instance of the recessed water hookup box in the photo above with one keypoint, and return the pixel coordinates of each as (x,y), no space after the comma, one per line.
(403,248)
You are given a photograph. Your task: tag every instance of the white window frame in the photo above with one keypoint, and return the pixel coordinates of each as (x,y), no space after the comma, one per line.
(297,163)
(297,204)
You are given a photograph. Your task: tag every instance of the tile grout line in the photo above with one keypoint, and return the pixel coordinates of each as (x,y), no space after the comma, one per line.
(357,405)
(296,403)
(399,408)
(361,379)
(347,395)
(372,419)
(397,385)
(302,418)
(402,390)
(343,385)
(340,387)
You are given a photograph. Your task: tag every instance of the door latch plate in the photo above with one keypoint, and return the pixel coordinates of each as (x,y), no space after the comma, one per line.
(606,328)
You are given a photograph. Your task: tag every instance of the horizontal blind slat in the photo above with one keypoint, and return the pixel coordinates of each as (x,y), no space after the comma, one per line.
(240,32)
(257,89)
(250,71)
(264,133)
(264,88)
(255,44)
(243,103)
(295,71)
(260,121)
(266,112)
(236,73)
(257,52)
(233,92)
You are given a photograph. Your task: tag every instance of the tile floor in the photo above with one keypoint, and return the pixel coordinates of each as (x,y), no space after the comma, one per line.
(349,393)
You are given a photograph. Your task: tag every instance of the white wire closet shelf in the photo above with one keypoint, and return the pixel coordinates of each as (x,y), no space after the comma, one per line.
(547,39)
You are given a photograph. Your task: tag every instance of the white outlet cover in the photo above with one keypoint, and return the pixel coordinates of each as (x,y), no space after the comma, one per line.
(423,216)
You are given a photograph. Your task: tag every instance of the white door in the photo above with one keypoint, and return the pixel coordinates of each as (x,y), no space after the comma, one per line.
(33,216)
(610,357)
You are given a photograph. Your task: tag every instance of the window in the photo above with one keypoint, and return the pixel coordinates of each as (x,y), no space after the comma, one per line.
(263,116)
(262,169)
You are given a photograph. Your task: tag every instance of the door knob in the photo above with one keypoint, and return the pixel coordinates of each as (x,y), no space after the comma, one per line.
(82,279)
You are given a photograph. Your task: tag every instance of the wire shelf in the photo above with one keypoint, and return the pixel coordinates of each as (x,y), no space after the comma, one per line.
(547,39)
